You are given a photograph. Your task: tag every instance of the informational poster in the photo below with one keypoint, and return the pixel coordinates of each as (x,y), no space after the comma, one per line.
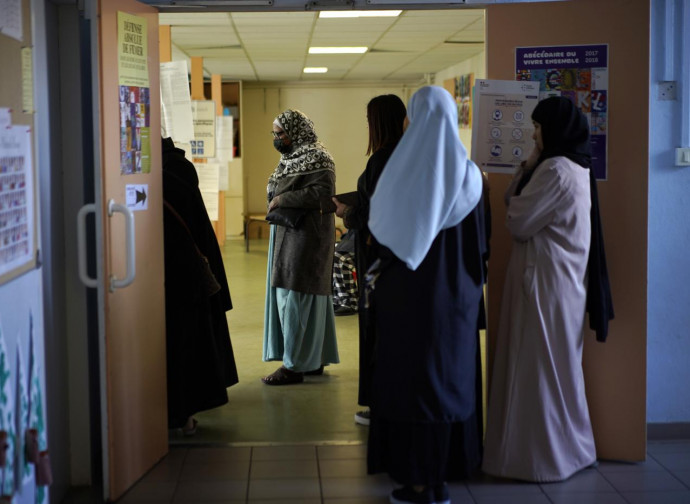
(579,72)
(204,116)
(208,185)
(135,103)
(133,69)
(502,127)
(176,104)
(224,147)
(17,223)
(11,19)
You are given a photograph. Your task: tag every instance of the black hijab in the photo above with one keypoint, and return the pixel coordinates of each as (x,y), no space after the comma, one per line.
(565,132)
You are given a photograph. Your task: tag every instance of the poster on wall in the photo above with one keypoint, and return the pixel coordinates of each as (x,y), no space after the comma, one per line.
(502,128)
(209,174)
(204,116)
(463,97)
(11,23)
(579,72)
(135,102)
(176,104)
(17,223)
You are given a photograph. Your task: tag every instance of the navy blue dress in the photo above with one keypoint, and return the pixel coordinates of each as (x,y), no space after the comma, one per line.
(426,389)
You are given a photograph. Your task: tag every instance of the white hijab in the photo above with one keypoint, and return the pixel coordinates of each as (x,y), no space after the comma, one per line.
(428,183)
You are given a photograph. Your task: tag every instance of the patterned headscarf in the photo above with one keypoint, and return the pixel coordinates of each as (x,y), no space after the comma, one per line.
(308,155)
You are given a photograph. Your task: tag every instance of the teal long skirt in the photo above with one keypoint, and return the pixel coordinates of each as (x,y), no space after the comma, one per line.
(299,328)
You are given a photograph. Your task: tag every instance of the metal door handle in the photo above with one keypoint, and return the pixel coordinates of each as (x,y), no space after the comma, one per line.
(81,245)
(129,243)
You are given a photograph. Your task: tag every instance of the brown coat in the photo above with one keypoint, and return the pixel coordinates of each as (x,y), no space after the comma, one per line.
(303,257)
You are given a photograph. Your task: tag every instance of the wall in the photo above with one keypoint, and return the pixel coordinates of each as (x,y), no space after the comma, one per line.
(475,65)
(339,115)
(669,227)
(22,298)
(615,372)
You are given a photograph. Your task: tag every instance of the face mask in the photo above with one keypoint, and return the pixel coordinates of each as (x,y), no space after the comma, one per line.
(280,146)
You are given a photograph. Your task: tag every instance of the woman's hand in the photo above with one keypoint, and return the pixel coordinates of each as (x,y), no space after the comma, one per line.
(340,208)
(531,161)
(275,202)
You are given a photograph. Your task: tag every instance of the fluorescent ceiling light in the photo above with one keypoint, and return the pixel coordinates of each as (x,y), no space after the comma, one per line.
(315,69)
(337,50)
(356,13)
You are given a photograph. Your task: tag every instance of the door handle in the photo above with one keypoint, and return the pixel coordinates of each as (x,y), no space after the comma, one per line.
(116,283)
(81,245)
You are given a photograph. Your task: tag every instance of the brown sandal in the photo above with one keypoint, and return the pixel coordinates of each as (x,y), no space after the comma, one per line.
(283,376)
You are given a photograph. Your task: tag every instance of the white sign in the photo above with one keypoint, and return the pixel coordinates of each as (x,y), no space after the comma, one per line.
(176,104)
(502,125)
(204,115)
(137,196)
(208,185)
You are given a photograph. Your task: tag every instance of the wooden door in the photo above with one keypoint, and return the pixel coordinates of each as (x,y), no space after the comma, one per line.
(132,318)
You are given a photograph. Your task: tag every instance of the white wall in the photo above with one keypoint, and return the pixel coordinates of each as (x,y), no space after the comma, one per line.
(475,65)
(339,115)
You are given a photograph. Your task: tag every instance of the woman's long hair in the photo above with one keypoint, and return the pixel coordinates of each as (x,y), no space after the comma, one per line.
(385,115)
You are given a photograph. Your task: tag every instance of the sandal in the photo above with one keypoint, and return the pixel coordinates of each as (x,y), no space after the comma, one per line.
(283,376)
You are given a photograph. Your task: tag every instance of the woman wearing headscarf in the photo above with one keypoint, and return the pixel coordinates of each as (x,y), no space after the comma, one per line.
(200,360)
(425,291)
(385,117)
(538,421)
(299,326)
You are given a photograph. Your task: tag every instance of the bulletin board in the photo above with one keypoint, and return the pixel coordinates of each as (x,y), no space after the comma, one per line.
(18,187)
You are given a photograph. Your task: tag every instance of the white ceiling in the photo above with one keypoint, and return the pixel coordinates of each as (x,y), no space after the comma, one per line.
(273,46)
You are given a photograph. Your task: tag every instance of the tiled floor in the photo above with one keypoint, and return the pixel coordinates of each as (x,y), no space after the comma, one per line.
(336,474)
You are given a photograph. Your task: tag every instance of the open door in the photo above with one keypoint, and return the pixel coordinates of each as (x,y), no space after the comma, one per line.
(129,242)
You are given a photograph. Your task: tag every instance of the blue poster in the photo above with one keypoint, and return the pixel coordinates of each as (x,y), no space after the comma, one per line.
(579,72)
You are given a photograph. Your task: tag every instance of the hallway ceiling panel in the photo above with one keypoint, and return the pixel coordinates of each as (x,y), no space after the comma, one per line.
(273,46)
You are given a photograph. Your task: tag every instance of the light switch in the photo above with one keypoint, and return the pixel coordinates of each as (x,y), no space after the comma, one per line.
(683,156)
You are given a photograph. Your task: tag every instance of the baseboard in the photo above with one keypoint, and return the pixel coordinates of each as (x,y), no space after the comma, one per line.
(673,430)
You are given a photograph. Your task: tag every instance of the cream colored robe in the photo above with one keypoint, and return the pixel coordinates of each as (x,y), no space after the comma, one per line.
(538,421)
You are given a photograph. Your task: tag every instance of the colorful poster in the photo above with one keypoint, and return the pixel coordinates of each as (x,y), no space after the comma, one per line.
(133,73)
(35,408)
(16,199)
(463,97)
(135,130)
(502,128)
(7,423)
(579,72)
(23,470)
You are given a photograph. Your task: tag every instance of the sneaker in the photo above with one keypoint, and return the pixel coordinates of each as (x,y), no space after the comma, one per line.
(363,417)
(408,495)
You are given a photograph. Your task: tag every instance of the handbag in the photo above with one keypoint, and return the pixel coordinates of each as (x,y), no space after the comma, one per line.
(288,217)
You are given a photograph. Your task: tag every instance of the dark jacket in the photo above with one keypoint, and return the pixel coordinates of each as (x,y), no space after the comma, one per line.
(303,257)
